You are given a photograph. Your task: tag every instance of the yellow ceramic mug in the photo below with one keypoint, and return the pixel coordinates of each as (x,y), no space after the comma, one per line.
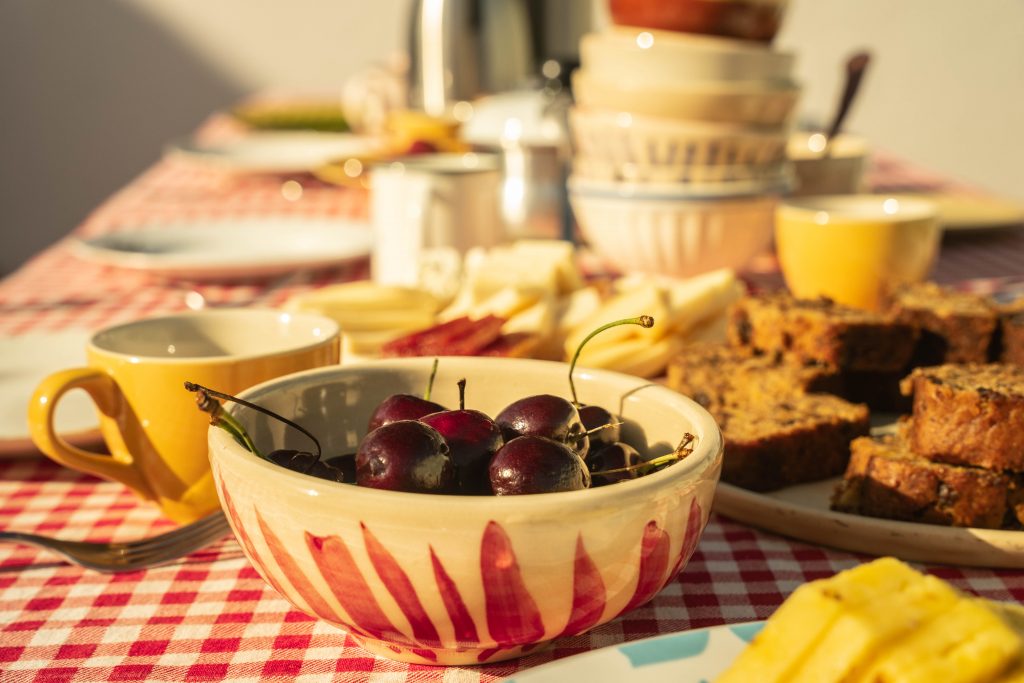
(136,374)
(855,249)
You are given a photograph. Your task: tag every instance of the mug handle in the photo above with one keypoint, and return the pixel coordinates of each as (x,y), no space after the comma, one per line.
(104,392)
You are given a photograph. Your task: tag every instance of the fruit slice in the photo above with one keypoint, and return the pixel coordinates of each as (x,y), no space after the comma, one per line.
(857,635)
(967,644)
(801,622)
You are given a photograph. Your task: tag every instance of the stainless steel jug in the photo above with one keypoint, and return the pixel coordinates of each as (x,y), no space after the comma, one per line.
(460,49)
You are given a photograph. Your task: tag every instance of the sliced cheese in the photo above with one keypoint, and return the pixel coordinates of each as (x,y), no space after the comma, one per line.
(365,306)
(701,297)
(576,307)
(643,301)
(710,331)
(634,356)
(540,265)
(538,319)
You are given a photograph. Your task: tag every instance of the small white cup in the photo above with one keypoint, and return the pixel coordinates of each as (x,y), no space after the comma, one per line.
(428,211)
(841,171)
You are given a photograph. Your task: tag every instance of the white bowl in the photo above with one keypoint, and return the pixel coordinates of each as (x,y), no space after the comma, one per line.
(437,579)
(674,229)
(623,146)
(840,172)
(745,102)
(638,55)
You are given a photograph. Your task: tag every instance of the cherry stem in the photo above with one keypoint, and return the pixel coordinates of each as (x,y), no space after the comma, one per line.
(462,393)
(215,410)
(684,448)
(642,321)
(430,382)
(604,426)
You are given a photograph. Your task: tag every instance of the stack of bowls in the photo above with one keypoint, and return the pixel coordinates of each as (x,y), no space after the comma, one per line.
(680,138)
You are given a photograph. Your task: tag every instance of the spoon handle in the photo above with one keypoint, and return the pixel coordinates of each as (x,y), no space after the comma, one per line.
(856,65)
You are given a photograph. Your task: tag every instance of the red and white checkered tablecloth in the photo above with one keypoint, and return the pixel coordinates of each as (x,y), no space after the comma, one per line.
(210,617)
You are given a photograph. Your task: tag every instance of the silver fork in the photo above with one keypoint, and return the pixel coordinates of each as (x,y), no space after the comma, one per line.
(131,555)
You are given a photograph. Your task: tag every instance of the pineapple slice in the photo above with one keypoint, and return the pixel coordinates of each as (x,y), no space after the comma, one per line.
(802,621)
(859,633)
(968,644)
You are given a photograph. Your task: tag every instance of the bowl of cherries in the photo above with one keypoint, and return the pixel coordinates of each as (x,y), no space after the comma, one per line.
(504,511)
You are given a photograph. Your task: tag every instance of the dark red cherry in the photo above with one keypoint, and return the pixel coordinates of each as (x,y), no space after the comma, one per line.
(536,464)
(401,407)
(473,439)
(306,463)
(603,428)
(545,415)
(616,456)
(405,456)
(346,464)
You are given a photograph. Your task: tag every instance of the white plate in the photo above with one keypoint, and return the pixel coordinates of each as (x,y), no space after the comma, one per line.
(280,152)
(24,362)
(688,657)
(225,249)
(802,512)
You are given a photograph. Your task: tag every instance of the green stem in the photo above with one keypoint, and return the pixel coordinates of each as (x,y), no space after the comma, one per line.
(684,448)
(217,412)
(642,321)
(430,382)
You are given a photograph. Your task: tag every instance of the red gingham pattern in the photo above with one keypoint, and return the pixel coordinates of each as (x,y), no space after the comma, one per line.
(210,617)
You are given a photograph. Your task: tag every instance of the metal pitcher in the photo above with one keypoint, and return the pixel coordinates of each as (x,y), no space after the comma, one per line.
(460,49)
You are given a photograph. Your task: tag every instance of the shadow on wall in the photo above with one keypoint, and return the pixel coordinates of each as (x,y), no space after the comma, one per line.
(91,91)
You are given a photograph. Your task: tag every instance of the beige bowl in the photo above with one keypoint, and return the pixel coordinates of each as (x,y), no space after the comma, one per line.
(744,102)
(674,229)
(439,579)
(841,171)
(623,146)
(638,55)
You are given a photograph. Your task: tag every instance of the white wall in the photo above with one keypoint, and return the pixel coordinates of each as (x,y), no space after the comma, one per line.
(946,86)
(90,91)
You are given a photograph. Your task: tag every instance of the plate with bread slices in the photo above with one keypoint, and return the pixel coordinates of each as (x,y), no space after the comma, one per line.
(798,387)
(879,621)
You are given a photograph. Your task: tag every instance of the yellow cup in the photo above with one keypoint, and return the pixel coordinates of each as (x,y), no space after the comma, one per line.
(154,431)
(855,249)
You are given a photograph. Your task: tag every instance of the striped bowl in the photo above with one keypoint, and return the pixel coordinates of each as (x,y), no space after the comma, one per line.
(436,579)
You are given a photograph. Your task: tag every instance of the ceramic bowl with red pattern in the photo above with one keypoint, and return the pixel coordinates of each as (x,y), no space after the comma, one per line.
(445,579)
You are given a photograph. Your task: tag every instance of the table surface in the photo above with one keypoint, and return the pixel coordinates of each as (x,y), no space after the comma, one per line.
(210,616)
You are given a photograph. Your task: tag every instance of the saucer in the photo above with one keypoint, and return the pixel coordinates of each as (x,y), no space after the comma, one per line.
(24,362)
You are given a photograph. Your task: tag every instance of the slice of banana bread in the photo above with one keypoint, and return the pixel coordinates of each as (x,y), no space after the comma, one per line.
(1013,339)
(1009,346)
(821,332)
(880,391)
(969,415)
(956,327)
(788,440)
(886,479)
(717,375)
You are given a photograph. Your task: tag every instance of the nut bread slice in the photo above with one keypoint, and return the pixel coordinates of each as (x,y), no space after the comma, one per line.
(956,327)
(715,375)
(968,414)
(821,332)
(790,440)
(886,479)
